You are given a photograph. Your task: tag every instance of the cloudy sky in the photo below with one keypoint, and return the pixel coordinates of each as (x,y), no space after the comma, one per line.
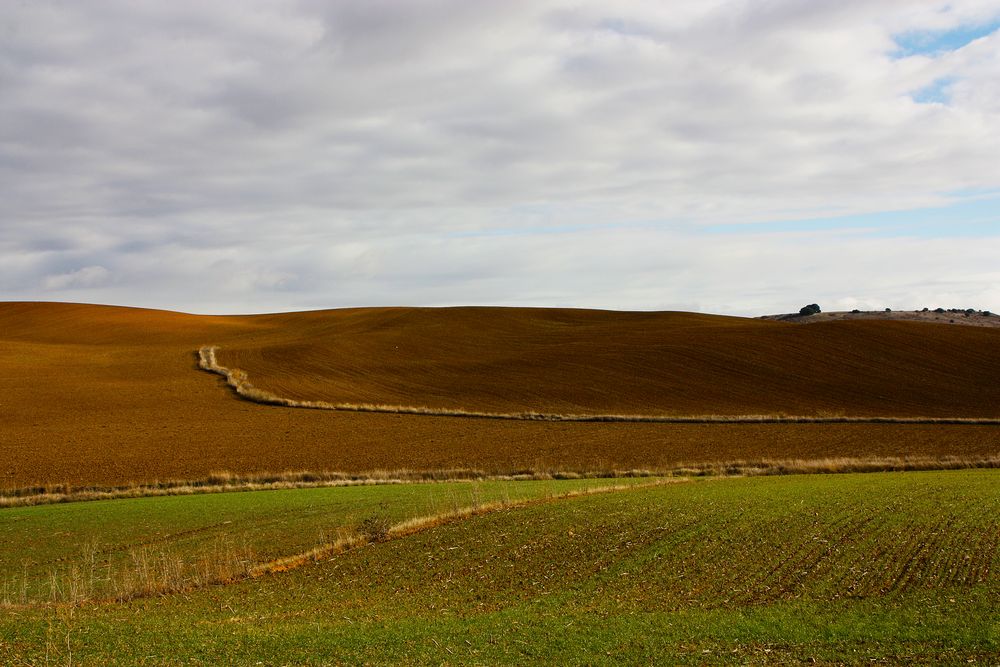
(714,155)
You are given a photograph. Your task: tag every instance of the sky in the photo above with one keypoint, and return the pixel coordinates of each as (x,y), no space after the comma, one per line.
(734,157)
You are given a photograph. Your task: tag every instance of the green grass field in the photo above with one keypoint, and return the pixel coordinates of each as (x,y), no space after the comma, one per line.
(95,544)
(886,567)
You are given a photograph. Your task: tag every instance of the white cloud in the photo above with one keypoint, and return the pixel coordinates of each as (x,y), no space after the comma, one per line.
(335,153)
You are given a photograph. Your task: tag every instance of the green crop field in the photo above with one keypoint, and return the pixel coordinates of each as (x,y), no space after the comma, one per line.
(886,567)
(48,553)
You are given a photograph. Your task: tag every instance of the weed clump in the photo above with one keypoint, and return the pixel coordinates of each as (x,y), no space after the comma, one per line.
(375,528)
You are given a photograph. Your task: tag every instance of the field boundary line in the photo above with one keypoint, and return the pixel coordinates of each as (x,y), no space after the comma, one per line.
(239,381)
(228,482)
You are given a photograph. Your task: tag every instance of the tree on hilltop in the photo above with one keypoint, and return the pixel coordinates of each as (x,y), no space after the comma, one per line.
(811,309)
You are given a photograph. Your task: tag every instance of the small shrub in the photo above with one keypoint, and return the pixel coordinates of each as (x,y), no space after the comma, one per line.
(925,309)
(939,310)
(855,311)
(888,310)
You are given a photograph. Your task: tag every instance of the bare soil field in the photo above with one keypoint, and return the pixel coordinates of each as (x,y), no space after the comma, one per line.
(576,361)
(105,395)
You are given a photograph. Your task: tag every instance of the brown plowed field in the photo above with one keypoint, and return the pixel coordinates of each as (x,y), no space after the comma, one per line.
(578,361)
(94,394)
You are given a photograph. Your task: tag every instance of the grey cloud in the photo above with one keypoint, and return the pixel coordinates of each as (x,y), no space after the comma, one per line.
(88,276)
(273,150)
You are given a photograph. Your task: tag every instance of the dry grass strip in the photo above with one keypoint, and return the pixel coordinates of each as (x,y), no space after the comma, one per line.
(223,482)
(240,382)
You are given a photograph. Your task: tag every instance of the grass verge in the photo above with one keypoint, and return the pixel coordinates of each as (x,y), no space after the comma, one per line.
(225,481)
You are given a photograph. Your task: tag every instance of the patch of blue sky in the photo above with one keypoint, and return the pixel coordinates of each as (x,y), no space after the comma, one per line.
(972,214)
(932,42)
(938,92)
(977,216)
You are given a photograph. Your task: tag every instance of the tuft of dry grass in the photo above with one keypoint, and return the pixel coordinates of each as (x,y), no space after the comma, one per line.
(146,572)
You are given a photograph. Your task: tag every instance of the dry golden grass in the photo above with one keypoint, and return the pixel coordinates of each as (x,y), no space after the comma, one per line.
(147,572)
(109,396)
(226,481)
(221,482)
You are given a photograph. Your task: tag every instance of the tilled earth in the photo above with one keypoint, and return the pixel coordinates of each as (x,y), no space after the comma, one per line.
(97,395)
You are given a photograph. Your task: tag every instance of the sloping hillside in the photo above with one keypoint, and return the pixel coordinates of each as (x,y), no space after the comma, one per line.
(578,361)
(95,394)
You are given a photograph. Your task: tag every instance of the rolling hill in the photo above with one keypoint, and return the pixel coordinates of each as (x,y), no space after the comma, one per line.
(580,361)
(100,394)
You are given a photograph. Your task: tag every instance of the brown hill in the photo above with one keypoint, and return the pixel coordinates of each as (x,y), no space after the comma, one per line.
(580,361)
(105,394)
